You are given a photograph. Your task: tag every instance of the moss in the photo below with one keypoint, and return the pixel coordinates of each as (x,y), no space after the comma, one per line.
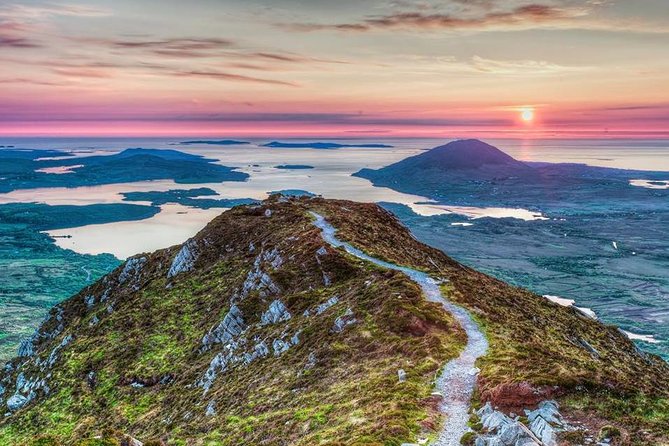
(351,394)
(468,439)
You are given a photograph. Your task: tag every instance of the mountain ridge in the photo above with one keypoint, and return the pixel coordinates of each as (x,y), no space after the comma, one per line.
(255,331)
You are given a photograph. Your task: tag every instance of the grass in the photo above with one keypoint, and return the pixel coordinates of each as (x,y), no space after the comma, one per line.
(350,396)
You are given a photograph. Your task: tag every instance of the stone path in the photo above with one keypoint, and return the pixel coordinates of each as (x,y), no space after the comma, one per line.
(458,378)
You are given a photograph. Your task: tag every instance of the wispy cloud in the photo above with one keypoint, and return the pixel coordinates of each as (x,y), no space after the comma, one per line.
(523,67)
(221,75)
(32,12)
(15,35)
(487,15)
(23,80)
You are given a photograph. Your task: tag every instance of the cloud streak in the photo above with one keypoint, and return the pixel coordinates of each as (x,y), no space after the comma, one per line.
(486,16)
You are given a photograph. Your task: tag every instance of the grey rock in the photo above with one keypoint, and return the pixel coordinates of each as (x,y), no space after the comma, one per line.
(268,213)
(258,280)
(230,327)
(485,410)
(89,301)
(295,339)
(185,259)
(27,347)
(321,251)
(548,410)
(511,433)
(17,401)
(276,313)
(131,269)
(273,257)
(53,356)
(95,320)
(260,350)
(544,431)
(344,321)
(279,346)
(402,375)
(211,409)
(327,304)
(495,420)
(311,361)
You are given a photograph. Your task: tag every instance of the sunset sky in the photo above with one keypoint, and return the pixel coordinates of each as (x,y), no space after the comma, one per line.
(344,68)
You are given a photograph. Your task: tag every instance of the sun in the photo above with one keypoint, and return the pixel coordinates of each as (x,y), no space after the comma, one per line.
(527,114)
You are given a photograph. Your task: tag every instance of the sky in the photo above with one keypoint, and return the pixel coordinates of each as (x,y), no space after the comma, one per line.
(345,68)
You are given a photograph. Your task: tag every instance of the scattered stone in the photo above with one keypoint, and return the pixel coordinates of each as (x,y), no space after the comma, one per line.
(327,304)
(402,375)
(311,361)
(268,213)
(548,410)
(279,346)
(344,321)
(89,301)
(211,409)
(17,401)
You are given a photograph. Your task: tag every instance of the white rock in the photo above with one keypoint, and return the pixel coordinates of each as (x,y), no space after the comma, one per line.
(327,304)
(277,312)
(131,269)
(344,321)
(185,259)
(17,401)
(230,327)
(211,409)
(402,375)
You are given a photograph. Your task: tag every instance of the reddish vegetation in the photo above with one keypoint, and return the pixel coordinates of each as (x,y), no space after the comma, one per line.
(519,395)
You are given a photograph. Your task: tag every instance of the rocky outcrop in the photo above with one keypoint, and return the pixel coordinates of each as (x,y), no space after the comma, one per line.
(184,260)
(277,312)
(259,280)
(132,268)
(230,327)
(500,429)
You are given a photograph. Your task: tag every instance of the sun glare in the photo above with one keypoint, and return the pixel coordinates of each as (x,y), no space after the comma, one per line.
(527,115)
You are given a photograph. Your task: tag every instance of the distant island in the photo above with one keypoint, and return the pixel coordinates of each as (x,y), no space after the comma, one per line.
(604,230)
(214,142)
(30,169)
(187,197)
(292,193)
(321,145)
(293,166)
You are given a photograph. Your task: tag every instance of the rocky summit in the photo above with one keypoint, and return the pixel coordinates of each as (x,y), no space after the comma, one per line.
(263,329)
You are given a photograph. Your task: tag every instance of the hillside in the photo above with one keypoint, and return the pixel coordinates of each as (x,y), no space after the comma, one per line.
(257,331)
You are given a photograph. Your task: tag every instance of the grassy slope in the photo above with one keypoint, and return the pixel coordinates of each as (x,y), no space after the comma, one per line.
(351,396)
(537,349)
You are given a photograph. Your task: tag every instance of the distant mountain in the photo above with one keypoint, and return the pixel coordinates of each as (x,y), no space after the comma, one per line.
(320,145)
(259,331)
(216,142)
(475,173)
(469,158)
(462,154)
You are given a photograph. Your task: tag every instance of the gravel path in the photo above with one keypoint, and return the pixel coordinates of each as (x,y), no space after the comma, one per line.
(458,378)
